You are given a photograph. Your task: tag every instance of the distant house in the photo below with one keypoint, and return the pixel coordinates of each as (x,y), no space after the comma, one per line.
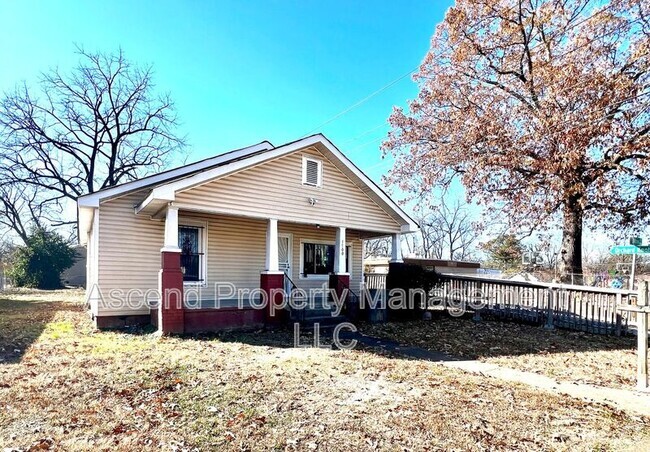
(380,265)
(75,276)
(251,221)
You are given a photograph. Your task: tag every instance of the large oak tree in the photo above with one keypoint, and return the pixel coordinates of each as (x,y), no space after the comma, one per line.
(541,108)
(77,132)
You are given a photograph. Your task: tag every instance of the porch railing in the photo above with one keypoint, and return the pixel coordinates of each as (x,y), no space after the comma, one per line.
(375,280)
(351,300)
(297,315)
(582,308)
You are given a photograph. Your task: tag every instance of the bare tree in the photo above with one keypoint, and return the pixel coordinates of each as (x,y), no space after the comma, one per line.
(430,237)
(93,128)
(544,253)
(15,211)
(380,247)
(448,231)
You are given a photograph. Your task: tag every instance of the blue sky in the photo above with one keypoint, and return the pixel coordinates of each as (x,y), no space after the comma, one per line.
(241,71)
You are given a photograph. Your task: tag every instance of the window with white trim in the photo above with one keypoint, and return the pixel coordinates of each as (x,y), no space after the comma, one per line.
(191,241)
(312,172)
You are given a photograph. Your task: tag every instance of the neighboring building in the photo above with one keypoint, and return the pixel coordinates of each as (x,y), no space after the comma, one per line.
(259,218)
(380,265)
(75,276)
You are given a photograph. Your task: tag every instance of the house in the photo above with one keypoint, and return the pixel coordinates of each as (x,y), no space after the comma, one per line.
(75,276)
(204,246)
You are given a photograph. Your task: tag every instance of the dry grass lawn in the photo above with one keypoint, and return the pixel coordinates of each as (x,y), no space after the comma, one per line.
(561,354)
(65,386)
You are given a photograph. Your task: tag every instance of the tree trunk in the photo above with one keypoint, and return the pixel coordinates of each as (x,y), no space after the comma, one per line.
(570,265)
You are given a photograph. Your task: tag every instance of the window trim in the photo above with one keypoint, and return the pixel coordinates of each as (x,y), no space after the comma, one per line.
(203,248)
(349,256)
(306,159)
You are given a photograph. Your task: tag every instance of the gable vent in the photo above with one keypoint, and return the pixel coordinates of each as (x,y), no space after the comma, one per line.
(311,172)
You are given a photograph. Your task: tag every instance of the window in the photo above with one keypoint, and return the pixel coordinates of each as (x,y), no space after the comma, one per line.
(318,259)
(190,241)
(312,172)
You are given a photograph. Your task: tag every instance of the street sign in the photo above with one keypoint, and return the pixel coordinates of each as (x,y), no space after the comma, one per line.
(629,249)
(636,241)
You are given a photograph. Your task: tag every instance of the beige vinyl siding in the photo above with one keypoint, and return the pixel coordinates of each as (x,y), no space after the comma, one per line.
(236,251)
(129,251)
(275,190)
(308,233)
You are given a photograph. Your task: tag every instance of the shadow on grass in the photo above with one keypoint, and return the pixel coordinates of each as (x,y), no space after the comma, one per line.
(441,338)
(21,324)
(278,337)
(466,339)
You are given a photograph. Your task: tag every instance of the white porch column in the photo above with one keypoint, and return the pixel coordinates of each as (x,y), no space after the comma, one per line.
(171,230)
(339,252)
(272,260)
(396,248)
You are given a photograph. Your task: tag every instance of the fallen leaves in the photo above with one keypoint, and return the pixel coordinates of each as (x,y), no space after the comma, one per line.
(565,355)
(84,390)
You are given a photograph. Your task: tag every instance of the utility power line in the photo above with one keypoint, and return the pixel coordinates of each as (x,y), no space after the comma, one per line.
(362,101)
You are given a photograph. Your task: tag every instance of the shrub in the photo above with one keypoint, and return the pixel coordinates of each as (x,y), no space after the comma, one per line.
(41,261)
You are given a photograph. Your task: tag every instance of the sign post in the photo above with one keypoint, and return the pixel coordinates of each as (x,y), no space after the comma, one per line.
(642,338)
(642,311)
(635,247)
(636,241)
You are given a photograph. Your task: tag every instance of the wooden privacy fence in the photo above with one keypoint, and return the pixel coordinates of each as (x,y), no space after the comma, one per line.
(581,308)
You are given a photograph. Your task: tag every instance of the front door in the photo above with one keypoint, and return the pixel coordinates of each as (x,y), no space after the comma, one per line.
(284,253)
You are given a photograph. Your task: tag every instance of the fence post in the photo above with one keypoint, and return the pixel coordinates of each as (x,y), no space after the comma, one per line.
(642,337)
(476,293)
(617,313)
(549,309)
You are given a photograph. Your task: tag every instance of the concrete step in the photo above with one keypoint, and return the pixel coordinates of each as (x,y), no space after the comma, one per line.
(323,321)
(319,312)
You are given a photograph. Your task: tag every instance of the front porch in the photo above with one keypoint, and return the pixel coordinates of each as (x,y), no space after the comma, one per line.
(233,272)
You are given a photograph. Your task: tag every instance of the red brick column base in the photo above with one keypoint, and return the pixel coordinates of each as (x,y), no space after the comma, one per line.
(338,283)
(272,284)
(171,315)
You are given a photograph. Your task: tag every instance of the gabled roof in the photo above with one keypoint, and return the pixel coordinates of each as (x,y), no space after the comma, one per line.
(165,185)
(93,199)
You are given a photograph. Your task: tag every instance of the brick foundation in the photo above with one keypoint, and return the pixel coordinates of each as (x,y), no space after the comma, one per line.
(211,320)
(121,321)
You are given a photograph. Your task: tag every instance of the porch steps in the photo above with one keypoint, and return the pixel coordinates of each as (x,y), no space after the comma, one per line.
(326,321)
(321,312)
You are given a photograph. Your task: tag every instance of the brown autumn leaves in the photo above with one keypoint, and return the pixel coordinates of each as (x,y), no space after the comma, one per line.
(540,108)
